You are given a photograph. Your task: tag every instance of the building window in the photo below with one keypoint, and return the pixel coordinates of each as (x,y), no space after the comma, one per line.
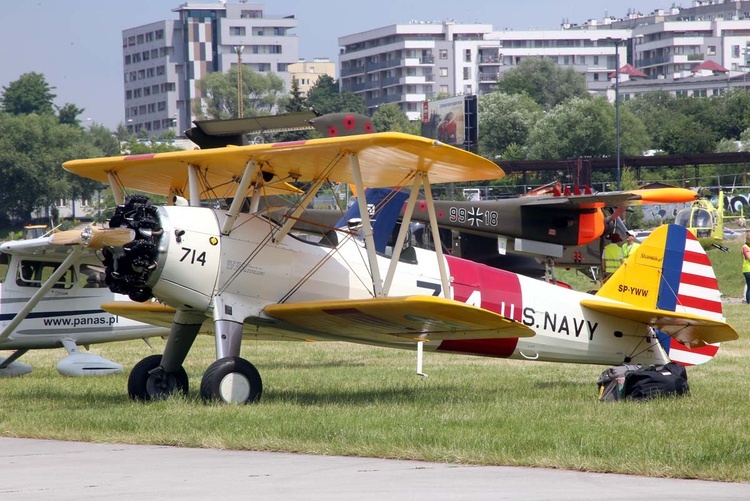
(443,53)
(251,14)
(279,32)
(131,41)
(443,72)
(128,94)
(711,50)
(127,59)
(237,31)
(159,34)
(735,51)
(274,49)
(282,67)
(137,58)
(264,67)
(444,89)
(467,73)
(467,56)
(146,55)
(154,53)
(139,39)
(150,36)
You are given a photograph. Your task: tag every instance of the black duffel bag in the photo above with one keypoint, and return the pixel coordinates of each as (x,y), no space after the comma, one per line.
(655,381)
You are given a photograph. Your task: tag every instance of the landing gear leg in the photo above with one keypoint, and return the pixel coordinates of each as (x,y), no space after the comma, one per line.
(230,379)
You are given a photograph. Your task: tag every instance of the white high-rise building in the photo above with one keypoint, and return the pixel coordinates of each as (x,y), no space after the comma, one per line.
(163,61)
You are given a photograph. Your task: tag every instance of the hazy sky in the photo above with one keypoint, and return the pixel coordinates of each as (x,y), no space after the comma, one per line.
(77,44)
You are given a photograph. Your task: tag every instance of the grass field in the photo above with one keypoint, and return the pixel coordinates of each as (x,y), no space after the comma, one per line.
(363,401)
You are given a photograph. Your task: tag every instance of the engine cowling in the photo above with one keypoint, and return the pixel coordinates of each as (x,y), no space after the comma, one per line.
(129,268)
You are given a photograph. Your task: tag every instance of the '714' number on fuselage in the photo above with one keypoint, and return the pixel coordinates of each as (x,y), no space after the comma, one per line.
(194,256)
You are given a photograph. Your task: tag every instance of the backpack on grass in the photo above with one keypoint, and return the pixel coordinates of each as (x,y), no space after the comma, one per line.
(656,381)
(612,380)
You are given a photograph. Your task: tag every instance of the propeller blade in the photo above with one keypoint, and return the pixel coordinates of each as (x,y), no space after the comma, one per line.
(94,238)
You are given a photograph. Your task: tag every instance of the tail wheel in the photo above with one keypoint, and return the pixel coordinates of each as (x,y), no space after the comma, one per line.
(148,381)
(232,380)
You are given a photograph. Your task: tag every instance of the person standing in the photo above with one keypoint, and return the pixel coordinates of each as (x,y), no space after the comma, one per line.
(630,245)
(612,255)
(746,266)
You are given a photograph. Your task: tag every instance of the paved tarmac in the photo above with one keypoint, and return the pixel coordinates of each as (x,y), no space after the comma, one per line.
(48,469)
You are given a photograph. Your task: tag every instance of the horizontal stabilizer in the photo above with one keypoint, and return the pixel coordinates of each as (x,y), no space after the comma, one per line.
(691,330)
(417,317)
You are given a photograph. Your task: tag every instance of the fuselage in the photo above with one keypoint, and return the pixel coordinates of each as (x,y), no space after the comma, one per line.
(249,269)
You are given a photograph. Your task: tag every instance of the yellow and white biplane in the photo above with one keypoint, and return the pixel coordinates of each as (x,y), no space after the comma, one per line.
(233,270)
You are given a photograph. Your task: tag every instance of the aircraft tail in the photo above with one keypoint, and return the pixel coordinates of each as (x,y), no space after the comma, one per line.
(384,207)
(671,272)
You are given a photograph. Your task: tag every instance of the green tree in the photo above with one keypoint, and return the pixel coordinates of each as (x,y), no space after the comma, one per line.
(68,114)
(324,97)
(585,128)
(260,93)
(297,101)
(391,118)
(29,94)
(32,150)
(543,81)
(505,120)
(104,140)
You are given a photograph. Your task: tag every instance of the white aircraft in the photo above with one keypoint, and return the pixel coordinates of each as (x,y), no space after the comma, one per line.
(243,275)
(51,297)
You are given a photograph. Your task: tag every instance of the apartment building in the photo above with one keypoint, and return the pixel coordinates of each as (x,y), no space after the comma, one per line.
(307,72)
(164,61)
(411,63)
(593,53)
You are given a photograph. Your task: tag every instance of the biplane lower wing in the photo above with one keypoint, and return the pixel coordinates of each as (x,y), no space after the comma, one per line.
(413,317)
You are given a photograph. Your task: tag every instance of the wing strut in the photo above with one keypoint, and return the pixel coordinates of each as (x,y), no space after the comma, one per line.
(251,170)
(436,235)
(398,246)
(194,186)
(292,218)
(367,232)
(115,186)
(46,286)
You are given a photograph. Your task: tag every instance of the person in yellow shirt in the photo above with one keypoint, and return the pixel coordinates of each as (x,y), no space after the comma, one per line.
(611,256)
(630,245)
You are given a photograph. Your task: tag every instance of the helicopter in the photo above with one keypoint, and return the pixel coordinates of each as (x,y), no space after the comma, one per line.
(706,221)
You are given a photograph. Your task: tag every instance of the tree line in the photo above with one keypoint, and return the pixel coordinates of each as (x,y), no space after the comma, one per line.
(539,111)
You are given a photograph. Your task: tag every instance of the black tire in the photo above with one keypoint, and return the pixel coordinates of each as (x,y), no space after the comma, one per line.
(231,380)
(155,386)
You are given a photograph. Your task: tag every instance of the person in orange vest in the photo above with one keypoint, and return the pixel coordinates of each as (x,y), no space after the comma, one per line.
(611,256)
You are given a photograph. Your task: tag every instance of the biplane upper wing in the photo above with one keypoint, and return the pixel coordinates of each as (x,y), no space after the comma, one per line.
(386,159)
(412,317)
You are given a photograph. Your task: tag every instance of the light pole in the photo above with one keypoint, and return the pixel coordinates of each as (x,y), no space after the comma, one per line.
(617,106)
(238,49)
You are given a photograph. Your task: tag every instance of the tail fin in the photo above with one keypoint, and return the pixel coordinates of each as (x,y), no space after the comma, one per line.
(671,271)
(384,207)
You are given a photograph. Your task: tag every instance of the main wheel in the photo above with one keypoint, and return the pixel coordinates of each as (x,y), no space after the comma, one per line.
(232,380)
(148,381)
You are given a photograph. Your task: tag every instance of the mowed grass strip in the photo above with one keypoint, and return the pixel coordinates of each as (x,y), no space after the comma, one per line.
(355,400)
(344,399)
